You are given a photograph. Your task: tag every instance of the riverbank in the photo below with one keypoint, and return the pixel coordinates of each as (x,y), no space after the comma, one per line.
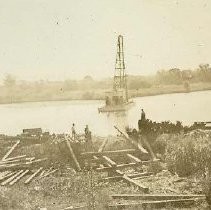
(30,95)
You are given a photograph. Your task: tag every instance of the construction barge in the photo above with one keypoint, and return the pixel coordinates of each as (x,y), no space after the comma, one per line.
(117,100)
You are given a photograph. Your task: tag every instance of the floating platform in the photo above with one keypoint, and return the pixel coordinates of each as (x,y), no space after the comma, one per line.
(116,108)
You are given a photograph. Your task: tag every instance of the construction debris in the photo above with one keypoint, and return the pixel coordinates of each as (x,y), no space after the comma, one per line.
(121,167)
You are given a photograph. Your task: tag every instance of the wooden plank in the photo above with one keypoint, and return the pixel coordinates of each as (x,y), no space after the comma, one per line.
(77,208)
(11,150)
(109,161)
(42,173)
(115,152)
(19,177)
(7,175)
(155,197)
(136,144)
(33,175)
(137,160)
(133,176)
(123,166)
(103,145)
(30,159)
(11,178)
(140,174)
(141,177)
(112,178)
(97,159)
(4,173)
(51,172)
(78,167)
(35,161)
(156,204)
(133,182)
(9,166)
(20,165)
(14,158)
(9,162)
(48,170)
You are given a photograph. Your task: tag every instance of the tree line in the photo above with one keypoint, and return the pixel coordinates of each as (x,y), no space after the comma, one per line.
(88,88)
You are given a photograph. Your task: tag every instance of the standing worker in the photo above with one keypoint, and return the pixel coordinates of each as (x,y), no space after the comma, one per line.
(141,122)
(73,132)
(88,139)
(88,136)
(143,115)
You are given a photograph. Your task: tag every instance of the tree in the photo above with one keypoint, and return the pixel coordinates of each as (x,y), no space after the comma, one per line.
(204,72)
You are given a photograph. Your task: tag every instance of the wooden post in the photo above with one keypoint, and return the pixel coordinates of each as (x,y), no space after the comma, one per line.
(73,156)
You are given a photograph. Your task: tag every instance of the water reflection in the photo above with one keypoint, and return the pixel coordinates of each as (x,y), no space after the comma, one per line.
(119,119)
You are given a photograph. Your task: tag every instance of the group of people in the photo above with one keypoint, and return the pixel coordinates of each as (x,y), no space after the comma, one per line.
(87,133)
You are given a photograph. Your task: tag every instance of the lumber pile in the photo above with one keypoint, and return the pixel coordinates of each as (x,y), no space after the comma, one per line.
(11,177)
(15,168)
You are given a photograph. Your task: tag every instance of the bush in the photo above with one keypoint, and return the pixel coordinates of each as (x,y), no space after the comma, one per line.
(189,154)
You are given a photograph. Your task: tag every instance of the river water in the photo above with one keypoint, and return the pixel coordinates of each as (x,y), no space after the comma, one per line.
(57,117)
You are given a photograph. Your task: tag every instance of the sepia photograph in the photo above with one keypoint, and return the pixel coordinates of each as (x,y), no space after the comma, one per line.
(105,104)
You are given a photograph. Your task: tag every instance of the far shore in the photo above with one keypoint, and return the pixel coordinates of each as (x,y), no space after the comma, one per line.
(99,94)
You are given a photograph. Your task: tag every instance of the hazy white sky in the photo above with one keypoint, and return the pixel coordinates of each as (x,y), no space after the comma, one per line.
(60,39)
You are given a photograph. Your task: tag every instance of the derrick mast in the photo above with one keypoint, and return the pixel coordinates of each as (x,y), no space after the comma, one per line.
(120,80)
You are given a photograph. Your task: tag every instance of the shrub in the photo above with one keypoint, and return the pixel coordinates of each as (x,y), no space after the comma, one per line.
(189,154)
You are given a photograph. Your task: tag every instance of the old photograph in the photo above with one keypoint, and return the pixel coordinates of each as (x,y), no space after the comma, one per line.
(105,104)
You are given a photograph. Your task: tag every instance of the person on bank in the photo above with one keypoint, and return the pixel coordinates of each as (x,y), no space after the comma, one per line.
(73,132)
(143,115)
(142,121)
(88,135)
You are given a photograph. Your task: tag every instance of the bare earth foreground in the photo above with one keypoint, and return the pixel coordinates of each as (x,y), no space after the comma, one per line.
(50,180)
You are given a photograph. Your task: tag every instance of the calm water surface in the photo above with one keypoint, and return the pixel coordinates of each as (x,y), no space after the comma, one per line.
(58,116)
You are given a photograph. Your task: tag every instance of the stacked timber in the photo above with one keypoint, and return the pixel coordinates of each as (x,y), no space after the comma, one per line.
(15,168)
